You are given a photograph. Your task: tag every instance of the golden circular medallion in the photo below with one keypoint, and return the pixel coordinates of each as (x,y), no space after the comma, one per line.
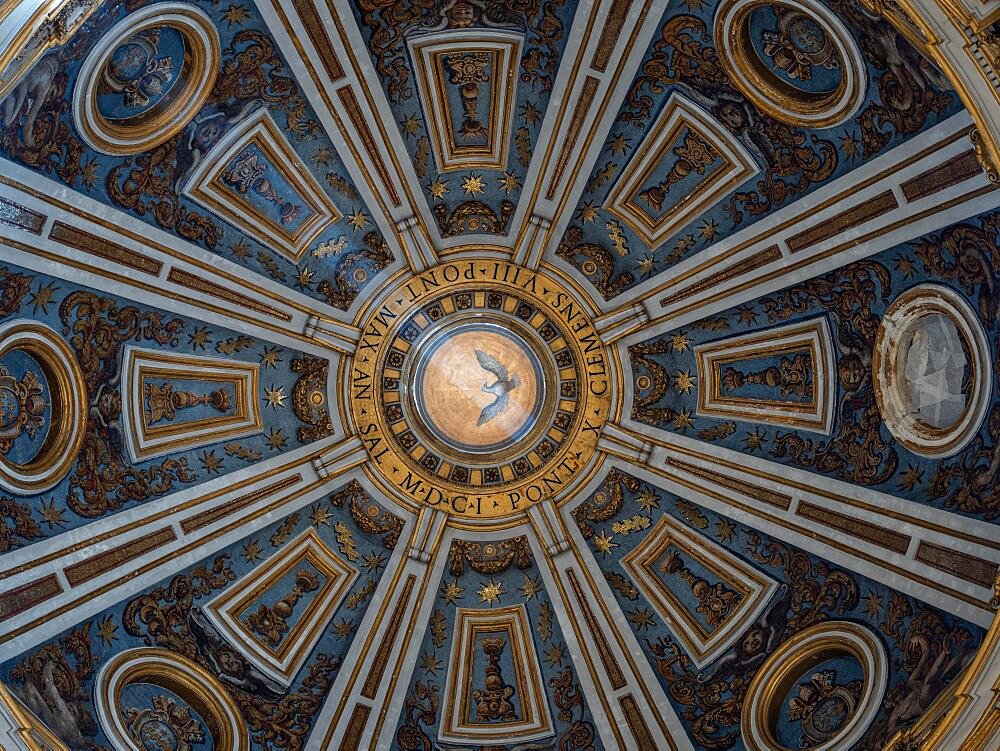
(479,387)
(146,79)
(49,405)
(793,59)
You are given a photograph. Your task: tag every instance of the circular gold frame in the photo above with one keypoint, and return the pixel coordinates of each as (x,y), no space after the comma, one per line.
(795,656)
(771,94)
(910,306)
(68,392)
(547,409)
(398,473)
(179,675)
(153,128)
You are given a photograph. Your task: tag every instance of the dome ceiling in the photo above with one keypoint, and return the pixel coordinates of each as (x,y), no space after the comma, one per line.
(499,375)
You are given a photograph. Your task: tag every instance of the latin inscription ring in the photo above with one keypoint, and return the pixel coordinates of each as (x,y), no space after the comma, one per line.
(478,387)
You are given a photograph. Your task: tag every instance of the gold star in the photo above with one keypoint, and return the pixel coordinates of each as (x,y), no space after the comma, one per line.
(304,278)
(725,530)
(107,630)
(430,662)
(451,592)
(473,185)
(554,655)
(904,265)
(873,604)
(323,156)
(43,297)
(277,439)
(647,265)
(648,500)
(210,462)
(51,515)
(320,514)
(241,249)
(411,125)
(911,477)
(850,145)
(754,440)
(684,244)
(235,14)
(490,592)
(270,357)
(530,587)
(343,628)
(679,342)
(684,381)
(252,552)
(276,396)
(604,542)
(88,174)
(373,561)
(508,182)
(530,113)
(708,230)
(358,220)
(438,189)
(641,619)
(682,420)
(747,314)
(619,144)
(199,338)
(588,213)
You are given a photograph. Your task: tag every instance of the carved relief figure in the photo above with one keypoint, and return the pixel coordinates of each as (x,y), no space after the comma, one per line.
(271,621)
(822,706)
(799,43)
(138,71)
(494,701)
(22,407)
(467,71)
(793,375)
(164,726)
(694,155)
(163,401)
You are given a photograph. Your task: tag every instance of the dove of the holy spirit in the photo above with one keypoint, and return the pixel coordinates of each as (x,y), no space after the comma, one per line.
(500,388)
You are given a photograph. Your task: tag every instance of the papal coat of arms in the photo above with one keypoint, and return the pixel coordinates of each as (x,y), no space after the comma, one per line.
(22,408)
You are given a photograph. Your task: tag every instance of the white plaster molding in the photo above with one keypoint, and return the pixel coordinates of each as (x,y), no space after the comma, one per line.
(266,492)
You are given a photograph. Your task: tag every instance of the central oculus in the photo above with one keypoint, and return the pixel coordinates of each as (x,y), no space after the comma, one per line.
(479,387)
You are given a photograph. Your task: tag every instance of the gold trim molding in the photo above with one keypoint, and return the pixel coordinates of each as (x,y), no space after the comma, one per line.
(48,25)
(207,187)
(147,438)
(283,660)
(458,724)
(466,54)
(966,716)
(31,731)
(753,588)
(812,337)
(679,114)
